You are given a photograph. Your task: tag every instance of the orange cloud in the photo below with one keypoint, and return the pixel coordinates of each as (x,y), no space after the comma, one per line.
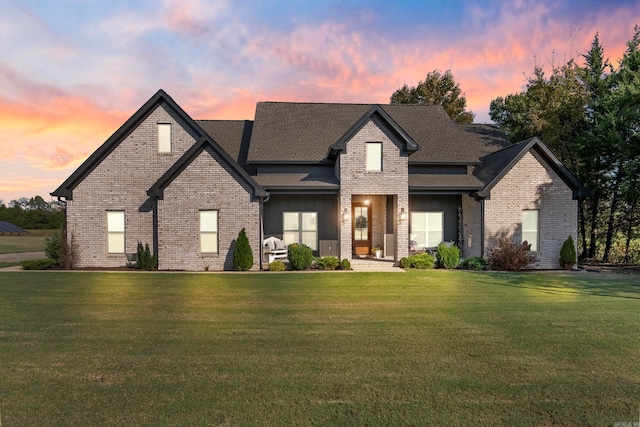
(55,133)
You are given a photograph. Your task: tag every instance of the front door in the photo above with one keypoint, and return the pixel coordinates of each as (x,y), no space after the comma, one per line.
(361,229)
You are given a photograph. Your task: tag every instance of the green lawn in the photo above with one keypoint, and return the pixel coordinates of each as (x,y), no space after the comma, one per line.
(25,243)
(419,348)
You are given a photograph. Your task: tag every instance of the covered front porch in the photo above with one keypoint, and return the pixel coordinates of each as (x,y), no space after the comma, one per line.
(373,227)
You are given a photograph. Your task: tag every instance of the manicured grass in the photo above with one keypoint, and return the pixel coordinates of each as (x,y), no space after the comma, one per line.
(8,264)
(24,243)
(418,348)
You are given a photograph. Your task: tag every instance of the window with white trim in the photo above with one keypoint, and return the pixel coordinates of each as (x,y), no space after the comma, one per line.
(374,156)
(164,138)
(530,231)
(427,229)
(301,227)
(209,232)
(115,232)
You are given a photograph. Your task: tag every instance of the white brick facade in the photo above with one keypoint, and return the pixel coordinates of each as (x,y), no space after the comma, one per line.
(356,183)
(118,176)
(532,184)
(120,182)
(205,185)
(472,227)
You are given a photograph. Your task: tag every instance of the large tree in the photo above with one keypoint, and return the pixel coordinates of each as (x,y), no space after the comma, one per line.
(590,116)
(437,89)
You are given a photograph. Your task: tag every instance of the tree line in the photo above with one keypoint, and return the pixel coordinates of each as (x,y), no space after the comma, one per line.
(32,214)
(588,113)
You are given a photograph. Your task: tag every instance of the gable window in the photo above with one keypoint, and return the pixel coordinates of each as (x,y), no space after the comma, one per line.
(164,138)
(530,228)
(301,227)
(115,232)
(427,229)
(209,232)
(374,156)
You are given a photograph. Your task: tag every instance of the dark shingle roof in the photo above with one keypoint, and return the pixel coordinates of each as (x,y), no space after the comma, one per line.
(232,135)
(444,182)
(496,165)
(303,132)
(300,132)
(297,180)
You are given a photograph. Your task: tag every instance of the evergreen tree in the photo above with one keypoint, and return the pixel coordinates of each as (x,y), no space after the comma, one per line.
(242,255)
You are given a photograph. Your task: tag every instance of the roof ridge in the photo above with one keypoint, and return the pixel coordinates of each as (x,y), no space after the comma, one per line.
(515,144)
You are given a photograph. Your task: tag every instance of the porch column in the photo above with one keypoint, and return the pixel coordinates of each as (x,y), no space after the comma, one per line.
(402,226)
(344,226)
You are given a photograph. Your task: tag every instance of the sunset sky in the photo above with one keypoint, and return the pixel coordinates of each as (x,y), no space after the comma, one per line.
(71,72)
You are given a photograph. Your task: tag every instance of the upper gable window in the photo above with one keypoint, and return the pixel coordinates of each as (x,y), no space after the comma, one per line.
(164,138)
(374,156)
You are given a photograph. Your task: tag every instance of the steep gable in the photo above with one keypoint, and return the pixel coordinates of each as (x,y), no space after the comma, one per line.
(66,189)
(496,165)
(157,190)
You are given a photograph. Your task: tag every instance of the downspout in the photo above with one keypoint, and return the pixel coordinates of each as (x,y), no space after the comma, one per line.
(263,200)
(482,228)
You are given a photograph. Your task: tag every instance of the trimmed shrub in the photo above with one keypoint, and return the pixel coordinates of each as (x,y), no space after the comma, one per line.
(508,255)
(476,263)
(300,256)
(405,263)
(421,261)
(37,264)
(146,261)
(327,263)
(345,264)
(568,256)
(242,255)
(277,265)
(447,256)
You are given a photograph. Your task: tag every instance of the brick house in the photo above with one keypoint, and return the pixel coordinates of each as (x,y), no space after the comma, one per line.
(340,178)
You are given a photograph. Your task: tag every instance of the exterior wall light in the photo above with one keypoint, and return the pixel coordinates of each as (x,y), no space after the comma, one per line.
(403,214)
(345,215)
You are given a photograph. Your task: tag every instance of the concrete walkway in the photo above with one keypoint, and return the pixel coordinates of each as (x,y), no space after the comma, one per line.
(381,266)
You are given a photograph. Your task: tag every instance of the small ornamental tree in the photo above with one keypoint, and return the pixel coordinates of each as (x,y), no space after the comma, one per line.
(242,255)
(568,256)
(146,261)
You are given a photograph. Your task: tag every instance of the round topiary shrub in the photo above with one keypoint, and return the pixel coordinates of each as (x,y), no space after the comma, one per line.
(242,255)
(345,264)
(568,256)
(405,263)
(277,265)
(300,256)
(447,256)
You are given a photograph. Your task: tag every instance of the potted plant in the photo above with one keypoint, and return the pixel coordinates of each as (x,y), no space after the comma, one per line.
(376,251)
